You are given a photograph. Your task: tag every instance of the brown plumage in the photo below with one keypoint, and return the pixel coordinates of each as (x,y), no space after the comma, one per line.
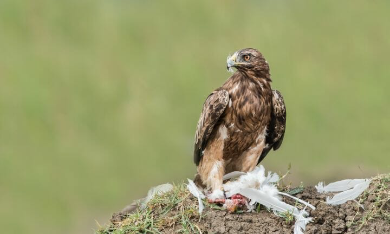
(240,122)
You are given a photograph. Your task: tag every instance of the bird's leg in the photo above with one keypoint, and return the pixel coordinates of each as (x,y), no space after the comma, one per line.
(211,173)
(198,181)
(214,182)
(212,166)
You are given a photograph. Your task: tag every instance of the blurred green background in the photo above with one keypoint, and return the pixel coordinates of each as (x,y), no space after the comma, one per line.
(99,99)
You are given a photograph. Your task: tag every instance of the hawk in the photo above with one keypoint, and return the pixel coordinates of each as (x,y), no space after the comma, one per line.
(240,122)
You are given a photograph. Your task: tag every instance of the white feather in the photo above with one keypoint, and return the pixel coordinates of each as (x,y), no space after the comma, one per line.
(197,193)
(268,200)
(253,179)
(297,199)
(158,190)
(272,202)
(271,178)
(350,194)
(233,174)
(259,188)
(301,222)
(338,186)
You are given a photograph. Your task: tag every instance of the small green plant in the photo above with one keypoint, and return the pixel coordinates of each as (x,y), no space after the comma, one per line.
(288,217)
(296,190)
(379,196)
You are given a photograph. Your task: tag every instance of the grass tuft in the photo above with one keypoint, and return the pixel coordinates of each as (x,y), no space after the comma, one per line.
(288,217)
(175,209)
(377,200)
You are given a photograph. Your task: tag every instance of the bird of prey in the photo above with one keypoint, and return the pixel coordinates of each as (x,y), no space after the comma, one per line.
(240,122)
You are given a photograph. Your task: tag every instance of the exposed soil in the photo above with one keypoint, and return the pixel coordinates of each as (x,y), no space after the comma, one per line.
(344,218)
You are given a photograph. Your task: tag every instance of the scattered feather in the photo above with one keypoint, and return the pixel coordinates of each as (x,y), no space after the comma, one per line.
(338,186)
(301,221)
(233,174)
(197,193)
(259,188)
(271,178)
(253,179)
(298,200)
(350,194)
(158,190)
(269,200)
(250,206)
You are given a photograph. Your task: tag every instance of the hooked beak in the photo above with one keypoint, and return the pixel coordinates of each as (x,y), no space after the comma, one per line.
(231,62)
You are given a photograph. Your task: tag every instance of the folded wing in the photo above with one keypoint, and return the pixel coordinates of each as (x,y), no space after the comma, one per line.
(277,125)
(213,108)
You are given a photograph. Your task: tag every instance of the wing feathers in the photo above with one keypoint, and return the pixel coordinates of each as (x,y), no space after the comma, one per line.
(277,126)
(213,108)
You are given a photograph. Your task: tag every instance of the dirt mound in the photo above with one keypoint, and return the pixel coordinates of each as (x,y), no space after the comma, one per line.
(177,212)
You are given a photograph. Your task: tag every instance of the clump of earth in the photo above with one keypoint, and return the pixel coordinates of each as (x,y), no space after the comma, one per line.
(369,213)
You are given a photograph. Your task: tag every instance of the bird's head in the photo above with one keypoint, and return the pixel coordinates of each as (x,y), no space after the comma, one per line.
(248,60)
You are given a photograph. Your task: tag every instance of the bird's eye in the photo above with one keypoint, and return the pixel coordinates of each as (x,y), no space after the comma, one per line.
(247,57)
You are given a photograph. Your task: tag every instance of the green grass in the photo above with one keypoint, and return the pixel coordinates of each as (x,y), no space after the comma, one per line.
(378,195)
(176,208)
(99,99)
(177,211)
(288,217)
